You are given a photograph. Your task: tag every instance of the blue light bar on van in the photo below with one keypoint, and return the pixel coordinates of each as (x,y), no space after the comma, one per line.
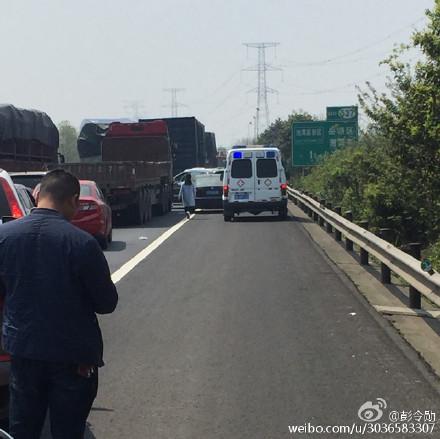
(270,154)
(237,155)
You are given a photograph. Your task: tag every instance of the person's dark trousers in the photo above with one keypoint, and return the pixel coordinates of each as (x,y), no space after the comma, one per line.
(39,386)
(190,209)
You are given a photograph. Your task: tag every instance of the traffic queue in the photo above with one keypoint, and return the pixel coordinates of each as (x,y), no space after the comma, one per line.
(124,177)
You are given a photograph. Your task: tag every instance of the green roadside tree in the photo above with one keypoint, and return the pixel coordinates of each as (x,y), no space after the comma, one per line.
(409,118)
(68,138)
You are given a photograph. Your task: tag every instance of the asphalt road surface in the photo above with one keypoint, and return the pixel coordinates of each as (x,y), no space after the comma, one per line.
(238,330)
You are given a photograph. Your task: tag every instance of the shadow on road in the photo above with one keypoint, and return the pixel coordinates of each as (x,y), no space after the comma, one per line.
(117,246)
(259,219)
(301,220)
(88,434)
(165,221)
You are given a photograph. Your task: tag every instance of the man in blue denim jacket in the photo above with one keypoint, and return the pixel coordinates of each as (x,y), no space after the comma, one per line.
(54,278)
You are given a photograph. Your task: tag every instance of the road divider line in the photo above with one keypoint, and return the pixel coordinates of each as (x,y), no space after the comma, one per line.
(135,260)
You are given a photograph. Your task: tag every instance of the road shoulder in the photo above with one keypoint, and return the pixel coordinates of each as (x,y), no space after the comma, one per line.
(421,333)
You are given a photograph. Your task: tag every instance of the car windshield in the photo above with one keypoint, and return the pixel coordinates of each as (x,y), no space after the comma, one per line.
(27,180)
(86,190)
(208,180)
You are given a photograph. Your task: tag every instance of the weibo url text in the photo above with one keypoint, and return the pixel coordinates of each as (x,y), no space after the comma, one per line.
(364,429)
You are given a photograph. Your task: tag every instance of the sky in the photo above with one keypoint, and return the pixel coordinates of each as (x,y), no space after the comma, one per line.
(103,58)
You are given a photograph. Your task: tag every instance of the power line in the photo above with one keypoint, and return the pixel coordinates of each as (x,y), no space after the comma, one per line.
(339,88)
(356,51)
(262,89)
(175,104)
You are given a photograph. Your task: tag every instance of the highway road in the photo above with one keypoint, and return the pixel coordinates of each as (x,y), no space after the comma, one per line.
(238,330)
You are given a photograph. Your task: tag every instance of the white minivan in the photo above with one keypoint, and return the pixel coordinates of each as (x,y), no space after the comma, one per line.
(254,181)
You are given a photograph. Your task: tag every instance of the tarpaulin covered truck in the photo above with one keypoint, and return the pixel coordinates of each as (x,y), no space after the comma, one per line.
(29,139)
(132,164)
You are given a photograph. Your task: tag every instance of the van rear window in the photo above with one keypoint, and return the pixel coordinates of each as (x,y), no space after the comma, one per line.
(241,168)
(267,168)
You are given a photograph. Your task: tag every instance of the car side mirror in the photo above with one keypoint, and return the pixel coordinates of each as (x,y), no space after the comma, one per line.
(426,266)
(6,219)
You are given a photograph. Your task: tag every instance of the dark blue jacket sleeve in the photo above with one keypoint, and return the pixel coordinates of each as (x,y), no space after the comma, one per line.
(95,276)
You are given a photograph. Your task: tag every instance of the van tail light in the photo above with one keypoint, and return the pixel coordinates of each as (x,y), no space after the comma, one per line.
(15,208)
(283,188)
(225,190)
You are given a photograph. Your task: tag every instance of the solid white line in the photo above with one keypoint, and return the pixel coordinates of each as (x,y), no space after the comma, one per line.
(128,266)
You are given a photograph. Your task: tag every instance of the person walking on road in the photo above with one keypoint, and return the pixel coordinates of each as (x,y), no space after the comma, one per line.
(54,279)
(188,196)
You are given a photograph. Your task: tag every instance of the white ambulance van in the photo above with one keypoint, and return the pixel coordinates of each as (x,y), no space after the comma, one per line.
(254,181)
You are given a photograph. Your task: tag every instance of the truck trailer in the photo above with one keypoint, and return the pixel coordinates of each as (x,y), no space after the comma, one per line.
(29,140)
(133,168)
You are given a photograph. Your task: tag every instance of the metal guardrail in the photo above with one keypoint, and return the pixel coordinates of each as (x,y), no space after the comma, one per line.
(391,258)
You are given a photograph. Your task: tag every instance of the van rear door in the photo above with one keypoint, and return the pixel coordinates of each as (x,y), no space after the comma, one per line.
(267,169)
(241,178)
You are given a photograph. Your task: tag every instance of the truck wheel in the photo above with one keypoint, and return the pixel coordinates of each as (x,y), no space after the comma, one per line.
(135,214)
(148,212)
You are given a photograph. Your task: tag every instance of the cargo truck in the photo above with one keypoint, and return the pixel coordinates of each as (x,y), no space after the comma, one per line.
(29,140)
(132,167)
(187,137)
(211,150)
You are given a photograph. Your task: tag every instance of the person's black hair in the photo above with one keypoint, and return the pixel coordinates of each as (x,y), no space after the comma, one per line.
(59,185)
(188,179)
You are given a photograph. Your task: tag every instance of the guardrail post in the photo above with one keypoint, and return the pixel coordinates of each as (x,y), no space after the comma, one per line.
(328,226)
(385,272)
(415,298)
(364,254)
(321,219)
(338,234)
(348,242)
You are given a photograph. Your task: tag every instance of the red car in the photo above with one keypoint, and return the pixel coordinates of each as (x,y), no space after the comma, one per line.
(94,214)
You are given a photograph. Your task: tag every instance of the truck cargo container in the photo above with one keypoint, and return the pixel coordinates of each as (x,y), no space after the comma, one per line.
(187,137)
(211,150)
(29,140)
(134,170)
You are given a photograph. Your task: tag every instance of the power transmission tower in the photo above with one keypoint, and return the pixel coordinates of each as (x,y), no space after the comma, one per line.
(135,107)
(262,89)
(175,104)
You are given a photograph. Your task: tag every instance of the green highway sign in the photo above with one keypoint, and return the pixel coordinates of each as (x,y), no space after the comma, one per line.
(309,141)
(340,134)
(313,139)
(342,114)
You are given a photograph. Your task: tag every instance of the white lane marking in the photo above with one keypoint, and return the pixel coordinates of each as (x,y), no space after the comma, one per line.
(128,266)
